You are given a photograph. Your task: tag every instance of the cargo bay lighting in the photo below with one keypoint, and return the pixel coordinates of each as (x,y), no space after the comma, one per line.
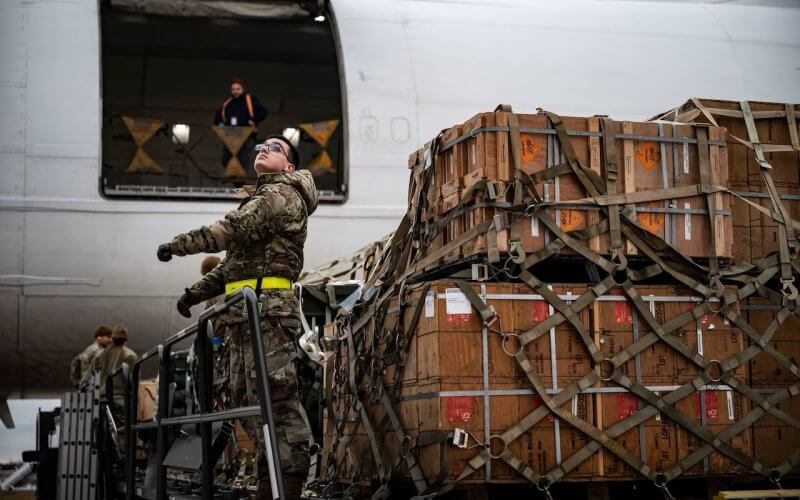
(320,18)
(293,134)
(180,134)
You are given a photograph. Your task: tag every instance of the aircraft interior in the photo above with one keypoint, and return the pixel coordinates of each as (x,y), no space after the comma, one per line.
(164,76)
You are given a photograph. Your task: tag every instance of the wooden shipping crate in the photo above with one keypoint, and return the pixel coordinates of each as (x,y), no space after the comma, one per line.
(477,213)
(776,125)
(459,375)
(757,233)
(715,410)
(766,371)
(452,163)
(617,325)
(650,157)
(774,440)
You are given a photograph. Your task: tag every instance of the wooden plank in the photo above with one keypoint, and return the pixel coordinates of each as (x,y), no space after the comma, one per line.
(598,412)
(753,494)
(629,174)
(791,122)
(595,165)
(723,242)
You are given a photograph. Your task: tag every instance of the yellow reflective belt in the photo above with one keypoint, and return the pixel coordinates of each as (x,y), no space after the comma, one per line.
(266,283)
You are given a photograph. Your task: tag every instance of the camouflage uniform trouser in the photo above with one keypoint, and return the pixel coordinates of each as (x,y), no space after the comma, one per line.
(280,327)
(222,389)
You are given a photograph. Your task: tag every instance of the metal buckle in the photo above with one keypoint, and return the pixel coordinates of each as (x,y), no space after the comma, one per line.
(491,191)
(507,336)
(507,269)
(764,164)
(489,446)
(714,363)
(775,477)
(606,365)
(619,259)
(543,485)
(494,319)
(480,272)
(516,252)
(661,483)
(788,290)
(499,222)
(460,438)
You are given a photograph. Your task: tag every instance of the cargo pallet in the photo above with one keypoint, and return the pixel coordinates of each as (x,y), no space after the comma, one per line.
(438,378)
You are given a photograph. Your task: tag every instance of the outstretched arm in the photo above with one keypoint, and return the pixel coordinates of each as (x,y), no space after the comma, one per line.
(251,222)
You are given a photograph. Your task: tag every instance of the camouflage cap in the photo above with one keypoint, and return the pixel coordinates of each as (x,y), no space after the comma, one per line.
(120,332)
(102,331)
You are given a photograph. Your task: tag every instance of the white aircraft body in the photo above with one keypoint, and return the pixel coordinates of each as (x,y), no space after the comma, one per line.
(72,258)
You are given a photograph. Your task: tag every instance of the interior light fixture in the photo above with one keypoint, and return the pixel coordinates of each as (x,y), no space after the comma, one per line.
(180,134)
(293,134)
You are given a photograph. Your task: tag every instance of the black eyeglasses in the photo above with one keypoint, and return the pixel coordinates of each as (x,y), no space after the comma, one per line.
(272,147)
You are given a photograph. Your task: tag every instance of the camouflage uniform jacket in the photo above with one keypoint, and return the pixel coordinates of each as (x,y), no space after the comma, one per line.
(79,368)
(263,237)
(109,360)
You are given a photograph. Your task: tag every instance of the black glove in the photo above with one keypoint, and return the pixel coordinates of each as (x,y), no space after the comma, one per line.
(185,303)
(164,252)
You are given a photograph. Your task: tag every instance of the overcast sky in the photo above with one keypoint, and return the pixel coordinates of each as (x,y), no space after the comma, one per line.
(13,442)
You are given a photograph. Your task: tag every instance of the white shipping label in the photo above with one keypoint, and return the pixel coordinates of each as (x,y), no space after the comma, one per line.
(729,397)
(700,341)
(685,158)
(430,304)
(534,225)
(687,223)
(456,302)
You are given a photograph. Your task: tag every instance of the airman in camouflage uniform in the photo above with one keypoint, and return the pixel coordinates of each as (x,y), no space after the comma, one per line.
(264,237)
(80,368)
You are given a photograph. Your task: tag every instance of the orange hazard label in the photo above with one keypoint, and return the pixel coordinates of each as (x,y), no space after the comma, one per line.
(529,147)
(569,219)
(648,155)
(652,221)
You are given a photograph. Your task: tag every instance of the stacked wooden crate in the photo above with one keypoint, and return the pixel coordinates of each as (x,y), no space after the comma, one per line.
(773,127)
(776,129)
(678,359)
(460,375)
(652,157)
